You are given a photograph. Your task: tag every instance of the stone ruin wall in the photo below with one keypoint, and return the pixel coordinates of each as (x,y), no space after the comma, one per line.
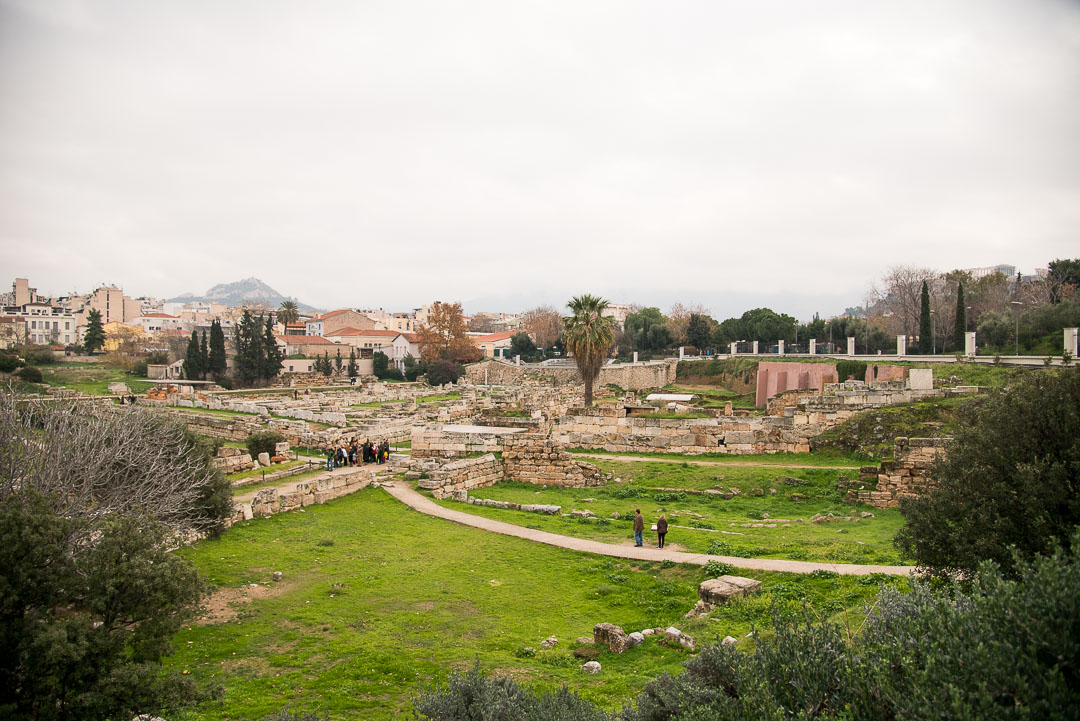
(528,457)
(434,443)
(330,485)
(463,476)
(536,458)
(906,476)
(631,376)
(607,428)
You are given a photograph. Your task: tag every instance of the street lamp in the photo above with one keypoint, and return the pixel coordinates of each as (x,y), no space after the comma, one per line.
(1017,305)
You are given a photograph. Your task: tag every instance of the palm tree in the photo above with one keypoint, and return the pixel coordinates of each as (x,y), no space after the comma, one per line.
(288,312)
(589,336)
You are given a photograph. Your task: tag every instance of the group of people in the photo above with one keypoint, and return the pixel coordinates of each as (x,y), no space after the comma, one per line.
(353,453)
(130,400)
(639,529)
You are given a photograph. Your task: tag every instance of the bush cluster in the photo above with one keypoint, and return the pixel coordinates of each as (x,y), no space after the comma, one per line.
(263,442)
(1002,647)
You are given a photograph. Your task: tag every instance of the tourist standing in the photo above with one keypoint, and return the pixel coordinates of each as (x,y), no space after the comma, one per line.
(639,528)
(661,531)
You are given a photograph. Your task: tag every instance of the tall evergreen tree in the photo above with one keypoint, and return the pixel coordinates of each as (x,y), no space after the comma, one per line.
(193,359)
(249,350)
(217,362)
(925,331)
(327,367)
(94,336)
(272,354)
(204,357)
(352,363)
(337,361)
(961,320)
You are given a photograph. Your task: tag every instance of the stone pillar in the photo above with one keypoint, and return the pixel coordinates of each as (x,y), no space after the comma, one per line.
(901,345)
(734,348)
(635,356)
(1071,335)
(969,343)
(682,352)
(780,347)
(813,346)
(762,393)
(851,346)
(727,408)
(517,360)
(755,347)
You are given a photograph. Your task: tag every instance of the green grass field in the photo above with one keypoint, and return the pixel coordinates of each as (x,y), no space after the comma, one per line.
(379,602)
(90,378)
(868,540)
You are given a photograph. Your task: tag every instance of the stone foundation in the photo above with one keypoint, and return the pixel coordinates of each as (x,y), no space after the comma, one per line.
(463,476)
(609,429)
(318,490)
(906,476)
(232,460)
(535,458)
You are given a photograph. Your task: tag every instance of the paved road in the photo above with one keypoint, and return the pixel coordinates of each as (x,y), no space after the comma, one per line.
(425,505)
(751,464)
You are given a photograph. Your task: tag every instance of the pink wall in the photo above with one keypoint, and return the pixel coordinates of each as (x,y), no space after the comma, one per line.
(773,378)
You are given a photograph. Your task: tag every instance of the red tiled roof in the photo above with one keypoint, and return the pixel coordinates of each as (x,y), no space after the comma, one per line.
(304,340)
(331,314)
(411,337)
(494,337)
(365,333)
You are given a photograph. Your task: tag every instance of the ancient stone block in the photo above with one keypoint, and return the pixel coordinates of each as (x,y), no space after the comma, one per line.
(719,590)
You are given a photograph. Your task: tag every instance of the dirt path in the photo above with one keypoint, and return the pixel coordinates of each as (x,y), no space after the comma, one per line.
(750,464)
(425,505)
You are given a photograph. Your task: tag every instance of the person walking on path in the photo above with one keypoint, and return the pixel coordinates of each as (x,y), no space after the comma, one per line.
(661,531)
(639,528)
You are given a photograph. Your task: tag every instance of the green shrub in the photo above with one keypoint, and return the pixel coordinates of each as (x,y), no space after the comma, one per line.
(39,357)
(667,563)
(720,548)
(714,569)
(263,442)
(525,652)
(668,497)
(822,573)
(10,362)
(848,368)
(30,374)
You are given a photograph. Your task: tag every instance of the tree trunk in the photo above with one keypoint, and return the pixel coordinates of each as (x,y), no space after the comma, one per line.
(588,392)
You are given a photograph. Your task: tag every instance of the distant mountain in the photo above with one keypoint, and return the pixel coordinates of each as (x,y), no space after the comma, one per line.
(249,291)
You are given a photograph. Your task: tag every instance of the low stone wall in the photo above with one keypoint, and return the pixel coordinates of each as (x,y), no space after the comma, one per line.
(232,460)
(631,376)
(906,476)
(535,458)
(435,443)
(332,484)
(463,476)
(609,429)
(527,457)
(229,428)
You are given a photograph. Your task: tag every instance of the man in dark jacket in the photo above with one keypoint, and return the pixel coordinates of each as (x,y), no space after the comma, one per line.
(639,527)
(661,531)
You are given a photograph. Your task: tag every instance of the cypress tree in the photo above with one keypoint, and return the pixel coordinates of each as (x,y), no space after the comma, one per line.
(94,336)
(925,330)
(272,355)
(352,363)
(193,359)
(337,361)
(961,319)
(204,357)
(218,363)
(249,353)
(327,368)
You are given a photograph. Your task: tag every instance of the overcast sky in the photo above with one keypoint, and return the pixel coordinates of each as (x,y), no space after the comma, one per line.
(504,154)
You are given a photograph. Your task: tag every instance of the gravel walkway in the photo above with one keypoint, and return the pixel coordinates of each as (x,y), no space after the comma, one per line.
(425,505)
